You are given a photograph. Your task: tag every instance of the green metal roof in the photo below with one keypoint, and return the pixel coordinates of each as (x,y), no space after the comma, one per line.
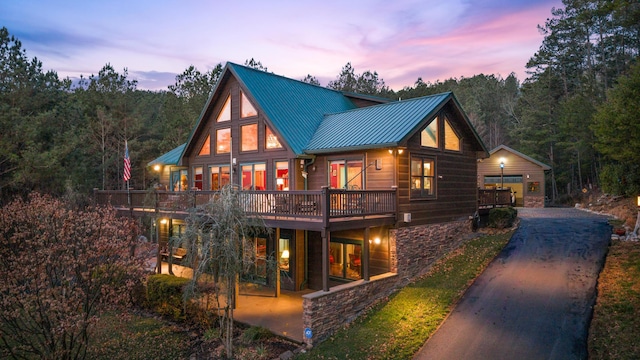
(374,126)
(170,158)
(294,108)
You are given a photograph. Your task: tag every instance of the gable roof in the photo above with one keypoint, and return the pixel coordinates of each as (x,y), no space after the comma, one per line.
(374,126)
(294,108)
(517,153)
(311,119)
(170,158)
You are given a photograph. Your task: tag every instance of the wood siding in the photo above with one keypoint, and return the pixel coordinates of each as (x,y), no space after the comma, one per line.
(455,176)
(262,155)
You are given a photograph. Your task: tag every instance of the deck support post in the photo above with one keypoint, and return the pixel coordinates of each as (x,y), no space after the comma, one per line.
(365,254)
(326,237)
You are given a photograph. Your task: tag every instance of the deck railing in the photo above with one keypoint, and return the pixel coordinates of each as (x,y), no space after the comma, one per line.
(333,203)
(490,198)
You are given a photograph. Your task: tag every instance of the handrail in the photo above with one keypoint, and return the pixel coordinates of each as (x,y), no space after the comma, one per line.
(490,198)
(295,203)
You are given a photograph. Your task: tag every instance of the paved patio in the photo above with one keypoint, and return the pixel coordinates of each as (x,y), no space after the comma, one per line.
(258,306)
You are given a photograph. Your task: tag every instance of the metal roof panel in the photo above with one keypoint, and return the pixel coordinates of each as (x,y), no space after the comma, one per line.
(374,126)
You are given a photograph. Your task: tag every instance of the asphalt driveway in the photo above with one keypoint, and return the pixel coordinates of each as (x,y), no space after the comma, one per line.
(535,300)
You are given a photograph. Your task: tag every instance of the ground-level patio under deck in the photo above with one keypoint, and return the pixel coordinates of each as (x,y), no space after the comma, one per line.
(259,306)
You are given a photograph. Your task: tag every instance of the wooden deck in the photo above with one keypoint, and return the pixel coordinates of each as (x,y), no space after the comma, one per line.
(307,210)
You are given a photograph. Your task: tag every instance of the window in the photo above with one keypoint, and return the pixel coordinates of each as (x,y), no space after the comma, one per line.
(197,177)
(284,254)
(533,186)
(254,176)
(246,108)
(429,136)
(346,174)
(223,141)
(249,137)
(271,141)
(179,180)
(282,175)
(225,113)
(206,147)
(220,176)
(345,259)
(422,177)
(255,259)
(451,139)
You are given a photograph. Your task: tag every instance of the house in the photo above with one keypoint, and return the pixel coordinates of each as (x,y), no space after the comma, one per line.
(363,193)
(508,168)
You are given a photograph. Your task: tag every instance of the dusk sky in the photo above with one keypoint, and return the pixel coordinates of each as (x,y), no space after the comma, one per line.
(400,39)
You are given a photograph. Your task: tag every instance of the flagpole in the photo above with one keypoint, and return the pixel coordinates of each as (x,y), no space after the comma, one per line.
(127,171)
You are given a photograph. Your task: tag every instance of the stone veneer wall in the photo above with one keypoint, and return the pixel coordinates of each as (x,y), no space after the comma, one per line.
(534,201)
(412,252)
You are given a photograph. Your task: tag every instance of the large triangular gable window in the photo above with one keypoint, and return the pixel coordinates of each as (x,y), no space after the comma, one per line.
(429,136)
(206,147)
(225,113)
(451,139)
(246,108)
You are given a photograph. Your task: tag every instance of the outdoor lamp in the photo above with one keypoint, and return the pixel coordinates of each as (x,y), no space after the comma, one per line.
(156,167)
(638,203)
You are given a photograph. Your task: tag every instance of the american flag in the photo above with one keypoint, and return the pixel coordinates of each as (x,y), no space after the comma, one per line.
(127,162)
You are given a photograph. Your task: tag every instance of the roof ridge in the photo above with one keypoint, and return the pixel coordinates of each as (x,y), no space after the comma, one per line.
(393,102)
(232,64)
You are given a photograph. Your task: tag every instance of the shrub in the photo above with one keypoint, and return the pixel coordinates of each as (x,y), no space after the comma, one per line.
(62,266)
(255,333)
(502,218)
(165,295)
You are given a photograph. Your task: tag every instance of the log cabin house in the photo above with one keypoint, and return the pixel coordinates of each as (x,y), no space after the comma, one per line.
(363,193)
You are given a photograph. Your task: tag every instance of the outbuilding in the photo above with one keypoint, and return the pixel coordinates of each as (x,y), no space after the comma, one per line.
(508,168)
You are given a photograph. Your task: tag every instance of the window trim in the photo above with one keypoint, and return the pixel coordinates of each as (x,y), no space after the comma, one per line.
(218,141)
(244,97)
(225,105)
(413,194)
(436,120)
(455,133)
(257,127)
(195,180)
(267,130)
(219,167)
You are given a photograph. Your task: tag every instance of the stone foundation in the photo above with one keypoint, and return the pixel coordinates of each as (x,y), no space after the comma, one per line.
(534,201)
(412,252)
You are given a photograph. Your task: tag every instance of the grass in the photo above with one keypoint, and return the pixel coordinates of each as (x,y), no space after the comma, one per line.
(399,327)
(615,326)
(137,337)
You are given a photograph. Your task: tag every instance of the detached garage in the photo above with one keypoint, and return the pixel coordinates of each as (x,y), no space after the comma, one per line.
(508,168)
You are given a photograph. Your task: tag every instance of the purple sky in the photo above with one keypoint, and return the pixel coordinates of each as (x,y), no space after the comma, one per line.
(400,39)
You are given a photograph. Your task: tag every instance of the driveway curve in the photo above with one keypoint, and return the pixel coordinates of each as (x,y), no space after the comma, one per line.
(535,300)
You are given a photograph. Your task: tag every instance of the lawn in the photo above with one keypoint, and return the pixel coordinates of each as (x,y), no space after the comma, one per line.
(398,328)
(615,326)
(131,336)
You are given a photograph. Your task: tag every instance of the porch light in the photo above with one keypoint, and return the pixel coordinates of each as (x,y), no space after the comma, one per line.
(377,241)
(163,221)
(638,202)
(156,167)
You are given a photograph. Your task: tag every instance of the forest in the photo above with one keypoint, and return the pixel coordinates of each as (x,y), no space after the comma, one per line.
(577,110)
